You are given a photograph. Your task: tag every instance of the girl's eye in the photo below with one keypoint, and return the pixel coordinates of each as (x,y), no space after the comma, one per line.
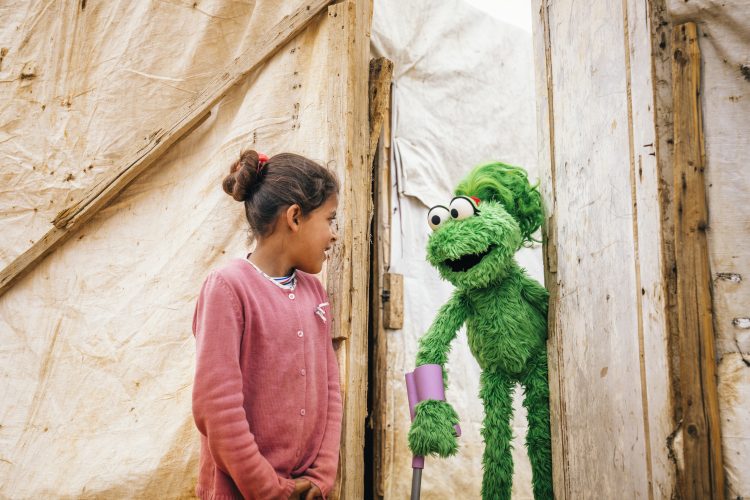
(462,207)
(437,215)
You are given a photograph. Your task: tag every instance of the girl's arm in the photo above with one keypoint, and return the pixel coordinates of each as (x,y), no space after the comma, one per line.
(217,394)
(323,471)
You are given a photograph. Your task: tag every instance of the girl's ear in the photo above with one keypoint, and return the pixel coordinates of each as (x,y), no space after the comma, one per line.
(293,216)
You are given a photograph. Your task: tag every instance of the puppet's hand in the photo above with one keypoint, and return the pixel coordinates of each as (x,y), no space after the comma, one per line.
(432,431)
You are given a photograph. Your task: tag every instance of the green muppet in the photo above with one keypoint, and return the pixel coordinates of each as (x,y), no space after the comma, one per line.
(496,210)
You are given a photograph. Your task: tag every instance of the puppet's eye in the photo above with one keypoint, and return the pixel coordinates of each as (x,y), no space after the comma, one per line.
(463,207)
(437,215)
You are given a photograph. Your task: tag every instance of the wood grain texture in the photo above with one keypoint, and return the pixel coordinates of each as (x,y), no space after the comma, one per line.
(174,127)
(664,149)
(703,475)
(640,20)
(381,74)
(378,420)
(393,308)
(611,410)
(347,281)
(547,175)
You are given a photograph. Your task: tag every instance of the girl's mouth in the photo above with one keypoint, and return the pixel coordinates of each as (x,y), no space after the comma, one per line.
(466,262)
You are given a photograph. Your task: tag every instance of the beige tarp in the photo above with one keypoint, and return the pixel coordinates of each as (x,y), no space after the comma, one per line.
(724,29)
(96,353)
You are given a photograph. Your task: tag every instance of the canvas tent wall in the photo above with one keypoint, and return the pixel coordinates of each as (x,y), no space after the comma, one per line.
(97,352)
(462,95)
(634,398)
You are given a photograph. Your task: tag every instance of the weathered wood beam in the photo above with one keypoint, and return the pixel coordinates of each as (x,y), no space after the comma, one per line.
(380,97)
(545,94)
(347,284)
(703,474)
(176,126)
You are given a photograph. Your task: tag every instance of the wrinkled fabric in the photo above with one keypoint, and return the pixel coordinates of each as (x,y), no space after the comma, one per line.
(96,350)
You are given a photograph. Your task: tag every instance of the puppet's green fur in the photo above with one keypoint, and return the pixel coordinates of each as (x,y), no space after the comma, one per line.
(439,418)
(505,312)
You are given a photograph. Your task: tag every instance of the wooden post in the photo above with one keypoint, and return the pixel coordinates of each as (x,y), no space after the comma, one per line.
(348,135)
(380,264)
(703,475)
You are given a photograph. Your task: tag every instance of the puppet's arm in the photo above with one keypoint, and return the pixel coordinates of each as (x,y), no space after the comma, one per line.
(435,345)
(535,294)
(432,431)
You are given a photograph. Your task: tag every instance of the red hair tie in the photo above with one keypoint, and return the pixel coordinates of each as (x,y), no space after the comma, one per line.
(262,160)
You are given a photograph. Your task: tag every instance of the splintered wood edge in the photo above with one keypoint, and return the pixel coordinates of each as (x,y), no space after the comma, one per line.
(381,74)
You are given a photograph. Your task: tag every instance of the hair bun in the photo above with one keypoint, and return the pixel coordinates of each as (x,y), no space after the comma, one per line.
(243,176)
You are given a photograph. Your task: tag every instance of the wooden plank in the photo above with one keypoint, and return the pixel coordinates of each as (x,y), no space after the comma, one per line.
(174,127)
(547,175)
(615,89)
(348,133)
(379,340)
(662,82)
(393,301)
(703,474)
(594,269)
(380,93)
(641,20)
(661,54)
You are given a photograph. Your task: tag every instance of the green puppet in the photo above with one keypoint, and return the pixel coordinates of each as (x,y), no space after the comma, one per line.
(496,211)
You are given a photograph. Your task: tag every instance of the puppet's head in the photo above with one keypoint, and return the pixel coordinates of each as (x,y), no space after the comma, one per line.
(496,211)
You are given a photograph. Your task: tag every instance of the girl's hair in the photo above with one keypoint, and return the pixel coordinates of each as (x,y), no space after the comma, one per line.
(284,180)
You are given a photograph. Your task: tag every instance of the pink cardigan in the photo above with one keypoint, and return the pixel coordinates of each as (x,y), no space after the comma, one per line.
(266,395)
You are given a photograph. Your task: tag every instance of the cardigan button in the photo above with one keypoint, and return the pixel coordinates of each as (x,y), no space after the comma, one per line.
(302,412)
(300,333)
(291,296)
(302,372)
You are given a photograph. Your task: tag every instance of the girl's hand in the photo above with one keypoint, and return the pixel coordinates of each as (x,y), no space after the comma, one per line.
(300,486)
(313,493)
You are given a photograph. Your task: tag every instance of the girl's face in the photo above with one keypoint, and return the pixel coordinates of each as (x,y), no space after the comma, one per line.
(317,234)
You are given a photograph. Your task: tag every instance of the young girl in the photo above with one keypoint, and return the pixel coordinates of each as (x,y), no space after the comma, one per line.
(266,395)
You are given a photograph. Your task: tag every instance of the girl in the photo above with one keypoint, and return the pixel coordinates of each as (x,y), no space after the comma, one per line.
(266,395)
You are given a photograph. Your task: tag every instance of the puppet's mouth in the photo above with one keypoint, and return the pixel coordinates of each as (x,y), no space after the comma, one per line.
(466,262)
